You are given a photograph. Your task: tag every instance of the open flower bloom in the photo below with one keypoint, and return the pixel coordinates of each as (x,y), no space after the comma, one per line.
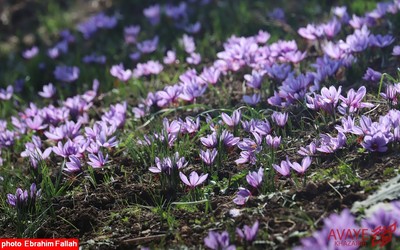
(305,163)
(283,169)
(194,179)
(233,120)
(242,196)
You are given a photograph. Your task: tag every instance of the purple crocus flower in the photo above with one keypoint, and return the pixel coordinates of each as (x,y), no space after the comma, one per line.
(383,219)
(311,32)
(6,94)
(97,161)
(252,100)
(208,156)
(190,126)
(390,94)
(273,142)
(153,14)
(255,178)
(329,144)
(48,91)
(37,123)
(381,41)
(260,127)
(101,140)
(301,169)
(210,75)
(248,234)
(348,126)
(210,141)
(94,59)
(372,75)
(331,95)
(18,200)
(66,73)
(23,198)
(73,165)
(283,169)
(30,53)
(192,90)
(218,241)
(396,50)
(333,50)
(148,46)
(169,95)
(353,101)
(234,120)
(69,148)
(242,196)
(194,179)
(376,142)
(170,58)
(119,72)
(323,239)
(188,44)
(193,58)
(159,167)
(277,14)
(228,139)
(255,79)
(250,145)
(192,28)
(280,118)
(332,28)
(131,33)
(262,36)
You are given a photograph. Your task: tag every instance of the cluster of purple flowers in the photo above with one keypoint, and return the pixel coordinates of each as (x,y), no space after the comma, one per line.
(67,138)
(24,198)
(346,221)
(217,241)
(99,21)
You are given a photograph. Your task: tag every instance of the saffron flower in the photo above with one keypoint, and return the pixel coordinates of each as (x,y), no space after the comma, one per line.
(273,142)
(208,156)
(329,144)
(376,143)
(255,178)
(153,14)
(48,91)
(210,141)
(23,198)
(66,73)
(30,53)
(248,234)
(97,161)
(353,101)
(396,50)
(6,94)
(73,165)
(372,75)
(234,120)
(218,241)
(252,99)
(242,196)
(194,179)
(283,169)
(228,139)
(119,72)
(280,118)
(301,169)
